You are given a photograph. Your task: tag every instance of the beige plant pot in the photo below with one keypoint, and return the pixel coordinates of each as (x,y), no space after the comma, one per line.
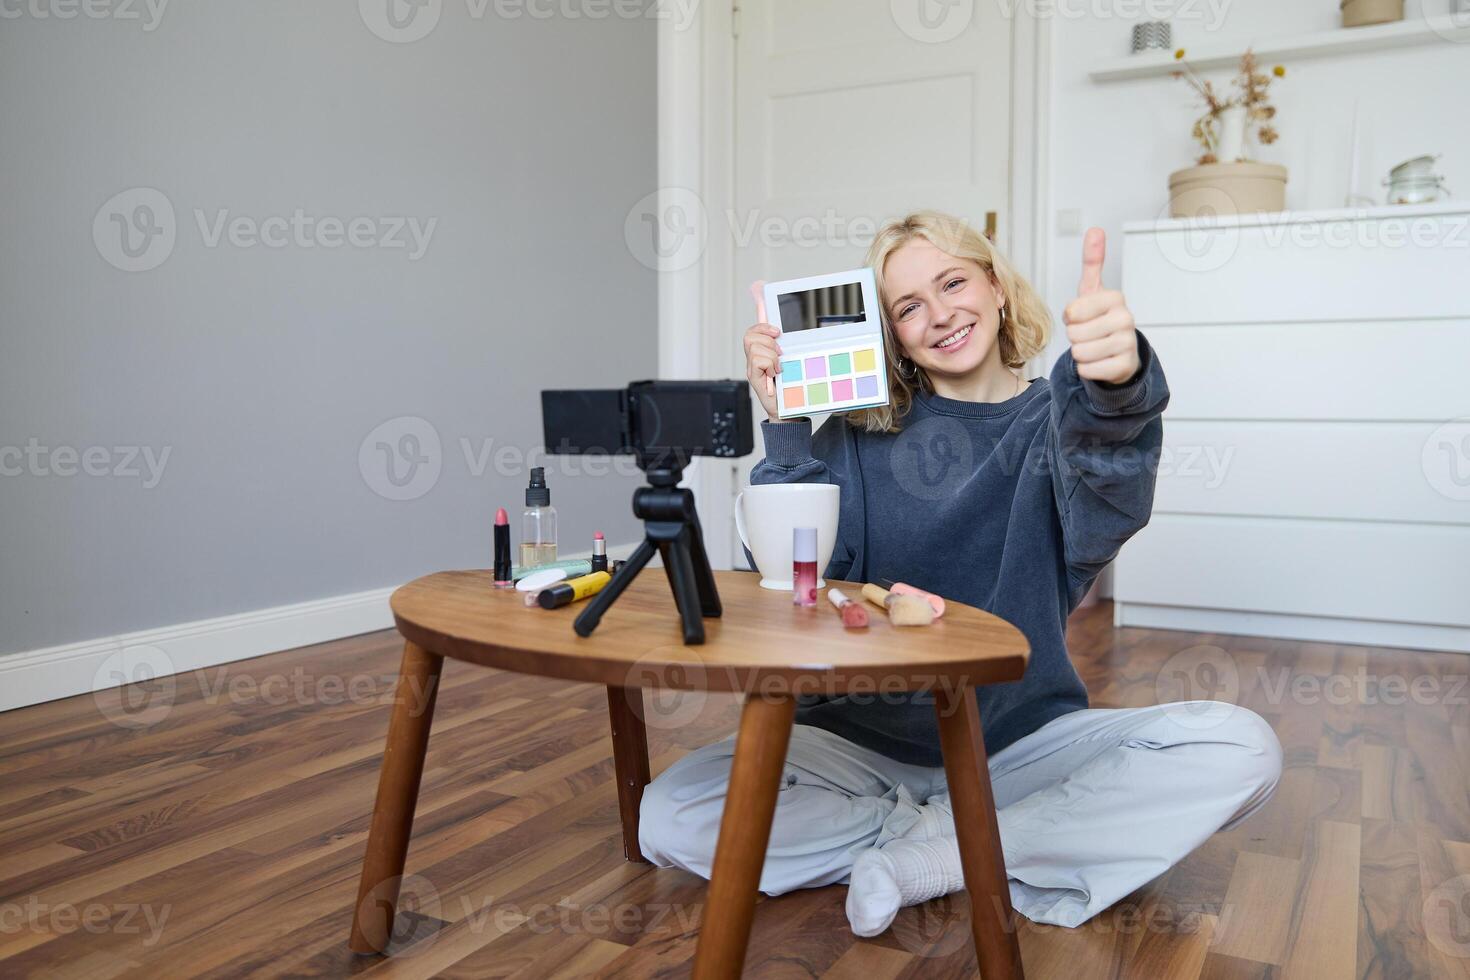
(1361,13)
(1212,189)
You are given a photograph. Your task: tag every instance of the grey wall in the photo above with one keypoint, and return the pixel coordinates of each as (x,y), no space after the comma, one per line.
(262,370)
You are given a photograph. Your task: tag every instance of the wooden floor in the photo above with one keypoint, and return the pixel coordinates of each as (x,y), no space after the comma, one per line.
(213,826)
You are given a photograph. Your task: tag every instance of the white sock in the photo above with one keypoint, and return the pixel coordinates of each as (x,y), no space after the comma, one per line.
(902,872)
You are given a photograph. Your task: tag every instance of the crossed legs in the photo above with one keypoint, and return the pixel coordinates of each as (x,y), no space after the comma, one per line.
(1089,807)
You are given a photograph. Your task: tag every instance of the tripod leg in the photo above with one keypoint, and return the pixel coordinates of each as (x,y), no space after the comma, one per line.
(704,576)
(680,563)
(588,618)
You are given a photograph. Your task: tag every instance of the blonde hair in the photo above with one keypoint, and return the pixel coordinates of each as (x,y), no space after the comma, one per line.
(1025,322)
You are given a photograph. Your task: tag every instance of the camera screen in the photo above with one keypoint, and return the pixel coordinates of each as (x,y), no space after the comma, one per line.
(661,421)
(584,422)
(824,307)
(675,419)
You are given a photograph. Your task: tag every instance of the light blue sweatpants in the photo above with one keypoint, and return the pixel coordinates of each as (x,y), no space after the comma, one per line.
(1090,806)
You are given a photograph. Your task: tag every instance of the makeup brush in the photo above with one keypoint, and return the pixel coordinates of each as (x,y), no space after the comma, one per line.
(876,594)
(758,293)
(903,610)
(903,588)
(854,616)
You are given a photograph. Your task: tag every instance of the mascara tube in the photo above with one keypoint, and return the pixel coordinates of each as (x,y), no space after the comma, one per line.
(565,593)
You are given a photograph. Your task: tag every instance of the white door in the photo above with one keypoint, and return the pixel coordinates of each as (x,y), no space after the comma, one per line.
(852,112)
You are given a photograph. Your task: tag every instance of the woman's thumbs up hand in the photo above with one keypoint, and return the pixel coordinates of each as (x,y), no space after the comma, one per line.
(1099,324)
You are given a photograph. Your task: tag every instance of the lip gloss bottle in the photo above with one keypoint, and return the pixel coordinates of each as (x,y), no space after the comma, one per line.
(804,566)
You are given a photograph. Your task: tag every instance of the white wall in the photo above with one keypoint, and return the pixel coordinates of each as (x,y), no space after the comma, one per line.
(279,377)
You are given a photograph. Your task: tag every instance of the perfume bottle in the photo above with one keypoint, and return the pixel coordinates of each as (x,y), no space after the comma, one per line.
(804,566)
(538,522)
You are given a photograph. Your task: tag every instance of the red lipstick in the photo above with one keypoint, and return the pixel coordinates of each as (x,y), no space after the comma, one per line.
(502,550)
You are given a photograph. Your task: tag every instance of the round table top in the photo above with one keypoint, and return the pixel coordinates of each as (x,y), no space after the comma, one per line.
(761,644)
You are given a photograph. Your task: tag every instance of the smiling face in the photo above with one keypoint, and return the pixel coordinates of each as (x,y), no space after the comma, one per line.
(945,310)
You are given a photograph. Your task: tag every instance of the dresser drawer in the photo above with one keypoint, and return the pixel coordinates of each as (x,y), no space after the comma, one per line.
(1408,370)
(1395,572)
(1360,471)
(1389,265)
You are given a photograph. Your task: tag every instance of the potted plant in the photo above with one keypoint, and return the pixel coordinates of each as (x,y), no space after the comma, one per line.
(1362,13)
(1225,180)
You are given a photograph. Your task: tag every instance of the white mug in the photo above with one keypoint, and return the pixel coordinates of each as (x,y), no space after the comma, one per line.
(765,516)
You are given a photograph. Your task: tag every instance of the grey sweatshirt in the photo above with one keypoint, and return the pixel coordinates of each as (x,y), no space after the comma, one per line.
(1013,507)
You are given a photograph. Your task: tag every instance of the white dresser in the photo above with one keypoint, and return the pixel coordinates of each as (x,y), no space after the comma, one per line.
(1316,481)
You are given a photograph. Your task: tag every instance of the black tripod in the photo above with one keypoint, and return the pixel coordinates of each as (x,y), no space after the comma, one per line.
(671,525)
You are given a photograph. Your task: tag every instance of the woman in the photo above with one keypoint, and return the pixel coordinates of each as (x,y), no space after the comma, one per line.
(1010,495)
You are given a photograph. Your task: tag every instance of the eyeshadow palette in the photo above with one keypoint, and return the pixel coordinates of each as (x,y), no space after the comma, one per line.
(831,343)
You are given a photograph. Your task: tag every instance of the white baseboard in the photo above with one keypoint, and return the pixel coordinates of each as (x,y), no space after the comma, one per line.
(35,676)
(92,665)
(1378,633)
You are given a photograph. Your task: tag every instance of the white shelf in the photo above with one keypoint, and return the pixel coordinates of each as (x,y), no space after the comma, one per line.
(1276,219)
(1343,40)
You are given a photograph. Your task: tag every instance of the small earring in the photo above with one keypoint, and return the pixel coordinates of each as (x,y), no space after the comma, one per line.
(911,373)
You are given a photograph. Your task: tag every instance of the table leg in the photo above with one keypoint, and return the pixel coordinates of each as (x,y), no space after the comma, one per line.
(997,949)
(745,829)
(630,760)
(398,792)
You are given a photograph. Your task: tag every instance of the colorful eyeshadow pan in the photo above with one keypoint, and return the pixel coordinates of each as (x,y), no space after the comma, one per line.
(830,381)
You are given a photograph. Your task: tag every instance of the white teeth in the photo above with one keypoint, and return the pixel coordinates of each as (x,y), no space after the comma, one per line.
(954,338)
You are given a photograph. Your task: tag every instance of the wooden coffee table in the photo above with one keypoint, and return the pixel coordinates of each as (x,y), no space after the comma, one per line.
(765,648)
